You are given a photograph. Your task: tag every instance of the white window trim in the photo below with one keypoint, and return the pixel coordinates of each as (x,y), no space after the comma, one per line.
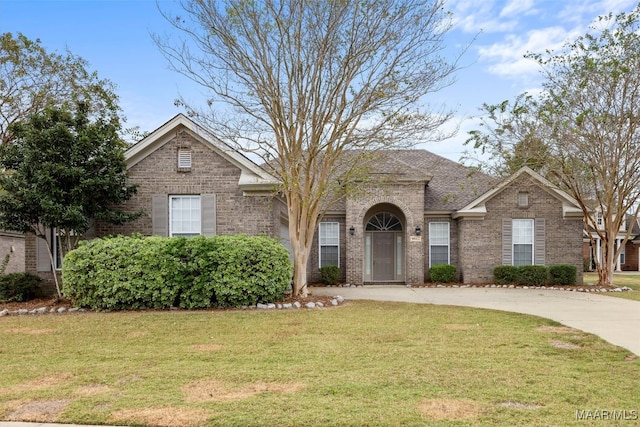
(320,245)
(182,196)
(533,240)
(448,240)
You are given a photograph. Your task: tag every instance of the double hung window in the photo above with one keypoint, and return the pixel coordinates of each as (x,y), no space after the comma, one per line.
(438,243)
(329,240)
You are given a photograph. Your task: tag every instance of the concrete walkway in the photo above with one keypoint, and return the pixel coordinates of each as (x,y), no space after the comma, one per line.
(616,320)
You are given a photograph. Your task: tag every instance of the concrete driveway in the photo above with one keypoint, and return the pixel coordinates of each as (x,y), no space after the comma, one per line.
(616,320)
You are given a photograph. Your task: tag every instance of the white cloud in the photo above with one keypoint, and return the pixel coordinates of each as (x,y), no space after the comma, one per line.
(471,16)
(518,8)
(507,56)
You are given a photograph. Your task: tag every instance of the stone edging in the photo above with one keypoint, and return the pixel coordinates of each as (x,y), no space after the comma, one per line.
(335,301)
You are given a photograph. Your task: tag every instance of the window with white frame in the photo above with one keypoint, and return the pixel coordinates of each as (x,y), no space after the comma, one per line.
(329,241)
(438,243)
(522,241)
(622,255)
(184,215)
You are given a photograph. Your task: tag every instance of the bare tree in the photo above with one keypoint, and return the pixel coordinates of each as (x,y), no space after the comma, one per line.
(301,82)
(32,78)
(593,104)
(588,122)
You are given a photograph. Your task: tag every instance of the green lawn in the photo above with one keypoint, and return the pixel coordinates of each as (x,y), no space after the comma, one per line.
(363,363)
(628,279)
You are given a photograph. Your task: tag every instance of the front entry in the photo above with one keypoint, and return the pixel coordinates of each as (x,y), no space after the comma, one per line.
(383,256)
(384,248)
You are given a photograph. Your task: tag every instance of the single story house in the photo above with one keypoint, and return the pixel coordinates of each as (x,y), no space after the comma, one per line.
(418,210)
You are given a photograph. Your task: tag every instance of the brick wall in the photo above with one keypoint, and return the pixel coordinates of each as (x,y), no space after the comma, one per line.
(313,269)
(12,244)
(480,241)
(453,242)
(210,174)
(408,198)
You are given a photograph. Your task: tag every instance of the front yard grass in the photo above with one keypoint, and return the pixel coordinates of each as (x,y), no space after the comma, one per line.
(363,363)
(630,280)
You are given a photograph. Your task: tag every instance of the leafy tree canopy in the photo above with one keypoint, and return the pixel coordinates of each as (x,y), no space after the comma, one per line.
(63,170)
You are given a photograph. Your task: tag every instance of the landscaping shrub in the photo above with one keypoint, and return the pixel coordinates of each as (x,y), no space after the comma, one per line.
(506,274)
(330,274)
(563,274)
(442,273)
(158,272)
(251,269)
(19,287)
(120,273)
(533,275)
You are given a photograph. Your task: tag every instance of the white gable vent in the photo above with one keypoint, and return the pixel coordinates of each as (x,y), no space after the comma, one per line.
(184,158)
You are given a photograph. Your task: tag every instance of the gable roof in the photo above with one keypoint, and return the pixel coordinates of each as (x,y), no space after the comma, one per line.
(477,208)
(252,177)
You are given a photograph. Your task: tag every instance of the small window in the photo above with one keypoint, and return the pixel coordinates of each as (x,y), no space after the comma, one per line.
(599,218)
(184,216)
(329,240)
(523,200)
(184,158)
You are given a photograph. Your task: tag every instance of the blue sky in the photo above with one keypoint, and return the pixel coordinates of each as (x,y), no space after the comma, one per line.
(115,37)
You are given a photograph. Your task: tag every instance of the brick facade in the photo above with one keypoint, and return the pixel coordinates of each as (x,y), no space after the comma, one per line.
(12,244)
(211,173)
(416,187)
(480,243)
(408,201)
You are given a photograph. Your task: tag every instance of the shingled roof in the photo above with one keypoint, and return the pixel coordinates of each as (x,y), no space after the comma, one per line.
(452,185)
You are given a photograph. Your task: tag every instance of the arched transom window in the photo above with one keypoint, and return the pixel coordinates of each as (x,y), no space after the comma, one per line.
(384,221)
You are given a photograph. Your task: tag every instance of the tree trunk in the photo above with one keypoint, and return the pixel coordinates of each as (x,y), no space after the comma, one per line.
(300,275)
(53,264)
(608,266)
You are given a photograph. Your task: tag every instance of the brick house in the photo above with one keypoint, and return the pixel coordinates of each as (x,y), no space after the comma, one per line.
(629,259)
(419,209)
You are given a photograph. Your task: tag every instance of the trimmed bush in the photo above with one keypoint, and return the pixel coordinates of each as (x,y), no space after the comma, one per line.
(563,274)
(506,274)
(19,287)
(329,274)
(158,272)
(533,275)
(442,273)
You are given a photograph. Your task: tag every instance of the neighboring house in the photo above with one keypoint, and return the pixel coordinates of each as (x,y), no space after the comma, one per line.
(11,245)
(629,259)
(416,210)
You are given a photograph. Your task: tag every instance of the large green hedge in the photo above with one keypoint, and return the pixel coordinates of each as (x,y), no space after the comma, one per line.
(157,272)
